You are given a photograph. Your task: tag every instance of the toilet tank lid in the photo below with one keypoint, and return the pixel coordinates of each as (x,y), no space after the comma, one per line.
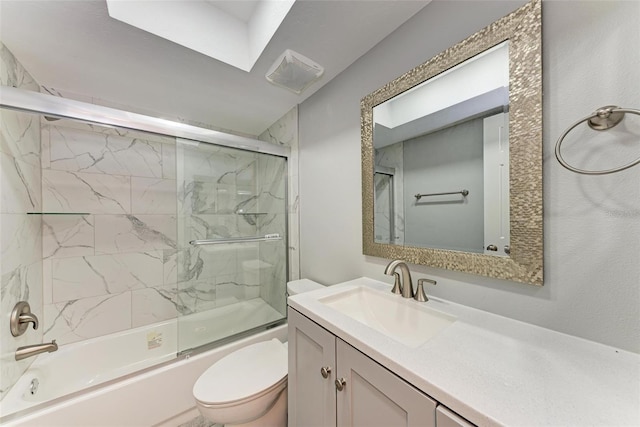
(243,373)
(295,287)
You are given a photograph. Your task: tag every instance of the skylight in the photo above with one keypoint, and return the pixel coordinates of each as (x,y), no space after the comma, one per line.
(234,32)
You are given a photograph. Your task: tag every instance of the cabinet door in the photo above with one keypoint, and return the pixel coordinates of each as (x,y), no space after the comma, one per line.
(373,396)
(312,398)
(448,418)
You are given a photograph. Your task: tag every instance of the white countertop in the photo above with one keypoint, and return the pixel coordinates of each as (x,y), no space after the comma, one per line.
(494,370)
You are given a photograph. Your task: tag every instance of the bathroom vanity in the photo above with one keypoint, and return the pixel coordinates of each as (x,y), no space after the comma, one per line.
(368,394)
(360,355)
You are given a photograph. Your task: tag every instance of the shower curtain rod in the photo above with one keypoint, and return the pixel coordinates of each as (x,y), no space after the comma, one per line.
(55,106)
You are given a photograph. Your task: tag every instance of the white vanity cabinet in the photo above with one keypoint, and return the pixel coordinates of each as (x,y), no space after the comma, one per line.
(371,394)
(448,418)
(374,396)
(474,365)
(312,398)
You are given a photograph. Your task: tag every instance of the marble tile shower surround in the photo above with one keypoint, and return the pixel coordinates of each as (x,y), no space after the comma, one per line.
(285,132)
(118,254)
(282,132)
(242,199)
(109,230)
(20,236)
(272,263)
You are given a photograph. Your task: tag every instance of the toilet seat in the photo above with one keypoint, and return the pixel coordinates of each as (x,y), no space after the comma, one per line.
(243,375)
(267,409)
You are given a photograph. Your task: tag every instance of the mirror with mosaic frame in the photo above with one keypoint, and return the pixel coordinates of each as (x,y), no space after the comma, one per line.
(523,261)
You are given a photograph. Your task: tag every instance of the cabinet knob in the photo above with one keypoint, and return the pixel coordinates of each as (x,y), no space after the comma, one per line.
(341,384)
(325,371)
(492,248)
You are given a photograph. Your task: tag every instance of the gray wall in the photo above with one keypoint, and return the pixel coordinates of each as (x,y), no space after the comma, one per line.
(592,224)
(447,160)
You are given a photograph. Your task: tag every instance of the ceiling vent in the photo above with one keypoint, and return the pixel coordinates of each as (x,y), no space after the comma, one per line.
(294,72)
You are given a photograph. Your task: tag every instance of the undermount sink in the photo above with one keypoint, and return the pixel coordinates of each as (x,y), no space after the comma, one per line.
(390,314)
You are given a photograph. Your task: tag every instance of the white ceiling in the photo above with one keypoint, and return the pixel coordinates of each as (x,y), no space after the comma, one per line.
(243,10)
(201,26)
(75,46)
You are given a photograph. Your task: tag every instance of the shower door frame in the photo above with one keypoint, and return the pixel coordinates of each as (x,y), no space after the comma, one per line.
(191,351)
(57,107)
(62,108)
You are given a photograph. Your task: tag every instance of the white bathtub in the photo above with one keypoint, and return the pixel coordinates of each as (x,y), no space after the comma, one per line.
(152,397)
(213,325)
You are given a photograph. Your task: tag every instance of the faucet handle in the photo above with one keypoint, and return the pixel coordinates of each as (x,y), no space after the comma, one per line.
(20,318)
(29,318)
(397,287)
(420,293)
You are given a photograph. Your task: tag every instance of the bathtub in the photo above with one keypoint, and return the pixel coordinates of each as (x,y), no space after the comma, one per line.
(131,378)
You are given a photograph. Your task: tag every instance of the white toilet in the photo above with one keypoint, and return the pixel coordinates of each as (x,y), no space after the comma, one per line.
(249,386)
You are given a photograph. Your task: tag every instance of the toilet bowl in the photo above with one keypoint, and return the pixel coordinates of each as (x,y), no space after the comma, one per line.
(248,387)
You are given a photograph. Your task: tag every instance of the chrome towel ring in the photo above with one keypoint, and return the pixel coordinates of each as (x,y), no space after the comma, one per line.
(602,119)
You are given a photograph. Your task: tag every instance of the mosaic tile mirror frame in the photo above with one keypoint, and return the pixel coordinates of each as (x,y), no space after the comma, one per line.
(523,262)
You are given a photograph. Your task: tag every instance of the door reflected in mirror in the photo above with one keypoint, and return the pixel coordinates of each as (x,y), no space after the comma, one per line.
(441,160)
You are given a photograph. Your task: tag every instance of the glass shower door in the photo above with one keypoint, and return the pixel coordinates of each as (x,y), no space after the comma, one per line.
(232,242)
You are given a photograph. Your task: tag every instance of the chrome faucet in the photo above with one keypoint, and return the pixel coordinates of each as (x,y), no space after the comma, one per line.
(405,286)
(32,350)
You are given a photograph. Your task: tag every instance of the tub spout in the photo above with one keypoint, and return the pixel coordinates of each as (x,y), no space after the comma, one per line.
(32,350)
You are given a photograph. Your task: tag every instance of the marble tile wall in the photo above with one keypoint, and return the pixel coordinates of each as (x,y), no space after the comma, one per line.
(20,237)
(272,270)
(109,235)
(110,255)
(217,199)
(285,132)
(120,256)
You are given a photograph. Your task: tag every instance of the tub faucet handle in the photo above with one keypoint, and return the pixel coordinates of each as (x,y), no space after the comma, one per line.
(29,318)
(20,318)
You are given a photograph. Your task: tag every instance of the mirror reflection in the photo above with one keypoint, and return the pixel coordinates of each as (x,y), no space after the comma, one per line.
(441,160)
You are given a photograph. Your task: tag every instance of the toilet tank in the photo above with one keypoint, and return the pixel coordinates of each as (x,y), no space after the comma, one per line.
(302,285)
